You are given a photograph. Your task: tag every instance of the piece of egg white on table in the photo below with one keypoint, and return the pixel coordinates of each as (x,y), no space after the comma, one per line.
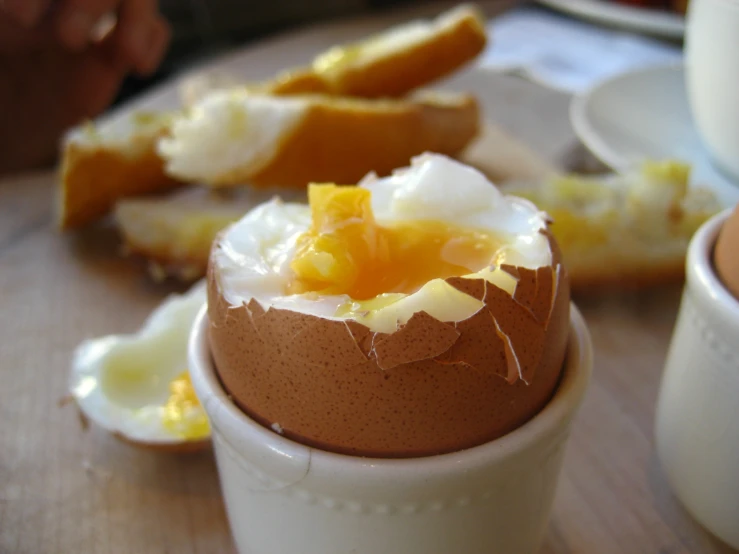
(136,386)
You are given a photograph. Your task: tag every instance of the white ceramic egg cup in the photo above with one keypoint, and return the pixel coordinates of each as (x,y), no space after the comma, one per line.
(286,498)
(697,425)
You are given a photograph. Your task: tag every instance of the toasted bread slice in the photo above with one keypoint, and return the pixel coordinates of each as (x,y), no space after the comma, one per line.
(395,62)
(624,231)
(389,64)
(237,137)
(174,232)
(114,160)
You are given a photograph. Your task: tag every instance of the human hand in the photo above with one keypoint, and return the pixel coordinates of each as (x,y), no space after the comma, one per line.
(59,65)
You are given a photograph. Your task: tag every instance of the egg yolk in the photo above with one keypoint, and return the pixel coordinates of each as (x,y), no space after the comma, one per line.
(345,251)
(183,415)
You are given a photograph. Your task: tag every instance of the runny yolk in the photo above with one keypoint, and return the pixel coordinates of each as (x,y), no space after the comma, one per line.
(183,415)
(346,252)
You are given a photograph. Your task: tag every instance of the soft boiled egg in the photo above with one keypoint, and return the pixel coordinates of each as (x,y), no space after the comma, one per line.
(138,387)
(416,314)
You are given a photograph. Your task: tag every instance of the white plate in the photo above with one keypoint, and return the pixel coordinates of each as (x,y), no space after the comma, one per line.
(645,114)
(643,20)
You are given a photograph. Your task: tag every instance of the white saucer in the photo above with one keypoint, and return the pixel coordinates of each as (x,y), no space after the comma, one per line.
(642,20)
(645,114)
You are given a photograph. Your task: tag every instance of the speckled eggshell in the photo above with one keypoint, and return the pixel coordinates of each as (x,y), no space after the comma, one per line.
(428,388)
(726,253)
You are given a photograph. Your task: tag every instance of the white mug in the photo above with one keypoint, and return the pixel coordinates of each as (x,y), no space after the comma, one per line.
(697,425)
(712,75)
(286,498)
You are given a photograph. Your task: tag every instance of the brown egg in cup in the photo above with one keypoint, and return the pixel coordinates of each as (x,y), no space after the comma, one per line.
(430,387)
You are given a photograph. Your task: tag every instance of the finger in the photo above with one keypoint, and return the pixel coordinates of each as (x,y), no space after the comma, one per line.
(76,20)
(139,30)
(94,78)
(158,41)
(26,12)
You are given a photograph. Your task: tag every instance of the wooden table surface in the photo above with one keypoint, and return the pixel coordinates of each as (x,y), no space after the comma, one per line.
(64,489)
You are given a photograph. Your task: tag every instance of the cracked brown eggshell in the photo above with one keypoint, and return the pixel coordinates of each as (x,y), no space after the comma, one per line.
(725,254)
(428,388)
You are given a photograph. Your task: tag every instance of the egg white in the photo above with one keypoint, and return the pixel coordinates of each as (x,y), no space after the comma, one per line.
(253,256)
(228,129)
(121,382)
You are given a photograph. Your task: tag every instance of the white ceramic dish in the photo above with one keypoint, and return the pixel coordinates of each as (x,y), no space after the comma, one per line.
(645,114)
(653,22)
(283,497)
(697,425)
(712,70)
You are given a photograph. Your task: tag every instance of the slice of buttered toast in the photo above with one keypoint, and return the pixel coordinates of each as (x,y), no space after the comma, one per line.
(624,231)
(101,163)
(395,62)
(389,64)
(237,137)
